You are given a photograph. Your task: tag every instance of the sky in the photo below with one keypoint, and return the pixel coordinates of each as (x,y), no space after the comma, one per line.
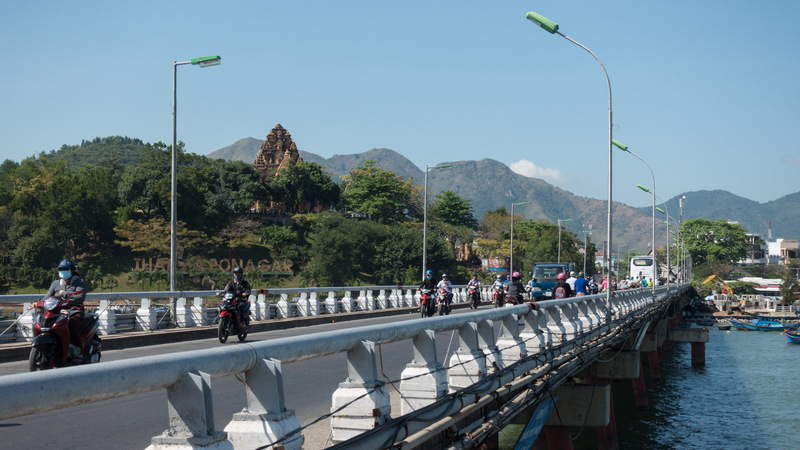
(706,92)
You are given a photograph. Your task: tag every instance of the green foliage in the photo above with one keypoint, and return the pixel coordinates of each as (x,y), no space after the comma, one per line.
(454,210)
(303,183)
(714,241)
(381,194)
(286,243)
(115,150)
(790,285)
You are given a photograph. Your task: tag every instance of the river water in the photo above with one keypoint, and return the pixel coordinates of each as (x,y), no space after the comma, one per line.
(746,397)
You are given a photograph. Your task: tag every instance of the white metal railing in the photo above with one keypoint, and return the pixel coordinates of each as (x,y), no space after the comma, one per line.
(359,403)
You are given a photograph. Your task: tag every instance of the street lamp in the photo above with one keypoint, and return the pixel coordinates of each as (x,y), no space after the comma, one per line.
(511,263)
(669,269)
(586,231)
(425,218)
(204,61)
(552,28)
(559,237)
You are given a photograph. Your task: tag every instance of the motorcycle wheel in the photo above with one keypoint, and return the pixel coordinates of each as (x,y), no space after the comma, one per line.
(422,310)
(224,329)
(41,358)
(242,335)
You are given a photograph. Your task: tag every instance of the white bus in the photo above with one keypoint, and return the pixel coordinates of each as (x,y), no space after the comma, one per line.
(642,268)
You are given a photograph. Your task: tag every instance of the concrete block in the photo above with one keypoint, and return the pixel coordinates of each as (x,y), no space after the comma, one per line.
(688,335)
(624,366)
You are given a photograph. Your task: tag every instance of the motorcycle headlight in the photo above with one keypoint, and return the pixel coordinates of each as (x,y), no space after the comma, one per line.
(229,296)
(50,303)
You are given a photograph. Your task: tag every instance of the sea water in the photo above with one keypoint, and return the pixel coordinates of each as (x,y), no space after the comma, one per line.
(745,397)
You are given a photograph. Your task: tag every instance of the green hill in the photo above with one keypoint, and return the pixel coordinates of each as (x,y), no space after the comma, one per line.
(122,150)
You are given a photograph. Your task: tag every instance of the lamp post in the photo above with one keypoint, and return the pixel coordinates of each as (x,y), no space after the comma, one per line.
(204,61)
(667,213)
(425,219)
(511,263)
(586,231)
(559,237)
(552,28)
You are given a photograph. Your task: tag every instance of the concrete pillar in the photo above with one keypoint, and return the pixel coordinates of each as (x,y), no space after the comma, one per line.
(25,323)
(535,333)
(283,310)
(486,341)
(308,305)
(579,405)
(107,320)
(654,363)
(191,416)
(698,354)
(640,390)
(331,304)
(557,437)
(260,310)
(559,331)
(183,314)
(266,419)
(412,297)
(394,298)
(198,312)
(614,365)
(510,343)
(349,304)
(382,300)
(424,380)
(588,321)
(145,319)
(468,363)
(362,301)
(368,403)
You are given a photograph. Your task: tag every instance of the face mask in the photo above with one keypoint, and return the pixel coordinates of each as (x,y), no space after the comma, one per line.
(237,277)
(64,274)
(428,277)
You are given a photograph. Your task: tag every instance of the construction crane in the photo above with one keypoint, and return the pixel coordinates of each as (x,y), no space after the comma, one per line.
(726,289)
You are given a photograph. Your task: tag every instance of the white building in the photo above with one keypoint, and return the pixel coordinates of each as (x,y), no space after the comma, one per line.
(782,249)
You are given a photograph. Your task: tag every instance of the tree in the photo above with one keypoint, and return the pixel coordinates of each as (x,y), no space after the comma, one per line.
(302,183)
(454,210)
(714,241)
(790,286)
(379,193)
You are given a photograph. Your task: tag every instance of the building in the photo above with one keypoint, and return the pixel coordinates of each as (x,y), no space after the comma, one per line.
(276,151)
(756,252)
(781,250)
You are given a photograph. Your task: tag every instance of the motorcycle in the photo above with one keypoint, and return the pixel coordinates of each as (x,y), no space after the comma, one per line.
(232,319)
(50,346)
(444,302)
(474,297)
(499,296)
(426,306)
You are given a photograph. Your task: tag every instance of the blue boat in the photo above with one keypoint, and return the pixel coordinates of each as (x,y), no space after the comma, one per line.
(762,324)
(792,337)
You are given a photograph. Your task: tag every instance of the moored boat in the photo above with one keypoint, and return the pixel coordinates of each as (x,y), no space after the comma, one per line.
(792,337)
(762,324)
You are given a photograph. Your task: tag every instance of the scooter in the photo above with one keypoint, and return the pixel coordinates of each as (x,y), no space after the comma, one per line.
(232,319)
(474,297)
(444,304)
(499,296)
(50,346)
(426,307)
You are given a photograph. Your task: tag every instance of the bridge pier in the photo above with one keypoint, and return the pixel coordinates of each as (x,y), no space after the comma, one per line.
(697,337)
(363,399)
(265,420)
(424,380)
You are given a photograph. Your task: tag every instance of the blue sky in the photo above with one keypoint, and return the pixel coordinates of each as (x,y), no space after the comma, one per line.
(707,92)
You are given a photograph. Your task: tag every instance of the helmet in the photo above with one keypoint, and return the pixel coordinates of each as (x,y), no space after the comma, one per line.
(580,274)
(572,273)
(66,264)
(444,275)
(562,276)
(498,277)
(515,275)
(237,270)
(428,272)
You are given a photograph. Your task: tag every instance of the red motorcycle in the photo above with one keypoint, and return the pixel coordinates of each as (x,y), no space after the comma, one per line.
(50,346)
(499,296)
(474,297)
(444,302)
(426,306)
(231,318)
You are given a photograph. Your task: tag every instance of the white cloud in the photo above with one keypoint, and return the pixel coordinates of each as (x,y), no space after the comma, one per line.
(529,169)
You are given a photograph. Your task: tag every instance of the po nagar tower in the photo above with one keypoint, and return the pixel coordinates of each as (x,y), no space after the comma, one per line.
(275,153)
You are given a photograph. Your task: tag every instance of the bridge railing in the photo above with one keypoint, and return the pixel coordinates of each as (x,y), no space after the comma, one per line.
(139,311)
(362,400)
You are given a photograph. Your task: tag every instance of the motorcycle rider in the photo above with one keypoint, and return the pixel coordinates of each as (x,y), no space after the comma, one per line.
(476,284)
(581,284)
(562,283)
(498,285)
(70,286)
(515,288)
(241,291)
(448,287)
(429,284)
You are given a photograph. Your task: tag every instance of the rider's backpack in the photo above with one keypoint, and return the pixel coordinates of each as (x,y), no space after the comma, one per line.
(560,292)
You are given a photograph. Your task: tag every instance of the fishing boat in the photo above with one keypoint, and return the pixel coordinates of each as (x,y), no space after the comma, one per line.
(792,337)
(762,324)
(724,325)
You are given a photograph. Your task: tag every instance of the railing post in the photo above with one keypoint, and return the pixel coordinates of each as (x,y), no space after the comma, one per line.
(107,319)
(557,329)
(25,324)
(183,315)
(382,304)
(260,309)
(266,419)
(199,312)
(284,308)
(510,343)
(411,298)
(468,363)
(331,304)
(348,303)
(303,305)
(191,415)
(486,341)
(583,315)
(424,380)
(535,334)
(146,319)
(366,399)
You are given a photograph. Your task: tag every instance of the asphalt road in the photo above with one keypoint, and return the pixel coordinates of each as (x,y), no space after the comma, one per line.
(129,422)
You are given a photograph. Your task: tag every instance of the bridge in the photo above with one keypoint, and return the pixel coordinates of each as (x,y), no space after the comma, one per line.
(509,365)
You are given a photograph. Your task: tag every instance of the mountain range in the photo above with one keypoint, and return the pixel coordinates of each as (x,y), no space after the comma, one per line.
(490,184)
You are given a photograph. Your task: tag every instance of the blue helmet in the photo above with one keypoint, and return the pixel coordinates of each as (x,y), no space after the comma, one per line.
(428,272)
(66,264)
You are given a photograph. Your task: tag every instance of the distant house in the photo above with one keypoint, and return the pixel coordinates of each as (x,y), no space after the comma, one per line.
(781,250)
